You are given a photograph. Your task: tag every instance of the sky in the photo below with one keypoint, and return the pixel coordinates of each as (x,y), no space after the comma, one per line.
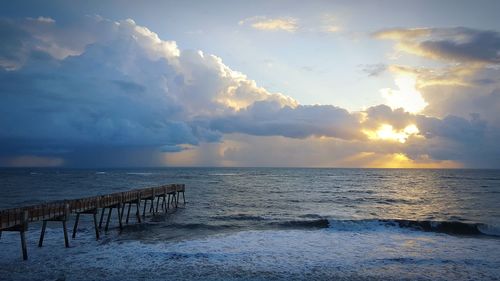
(383,84)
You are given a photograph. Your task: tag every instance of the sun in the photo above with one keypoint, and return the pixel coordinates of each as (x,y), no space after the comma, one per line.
(407,97)
(387,132)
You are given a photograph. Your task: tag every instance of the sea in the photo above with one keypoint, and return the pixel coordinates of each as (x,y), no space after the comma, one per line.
(267,224)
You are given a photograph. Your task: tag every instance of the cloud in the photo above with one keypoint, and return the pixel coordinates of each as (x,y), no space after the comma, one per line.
(470,141)
(96,92)
(374,70)
(462,94)
(332,28)
(327,24)
(16,44)
(47,20)
(288,24)
(406,96)
(330,24)
(457,138)
(383,114)
(458,44)
(446,76)
(458,90)
(31,161)
(271,119)
(123,87)
(271,151)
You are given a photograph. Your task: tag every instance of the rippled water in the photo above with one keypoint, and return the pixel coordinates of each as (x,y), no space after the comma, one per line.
(261,223)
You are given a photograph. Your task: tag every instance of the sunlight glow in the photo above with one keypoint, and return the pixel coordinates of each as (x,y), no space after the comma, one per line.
(407,97)
(396,160)
(387,132)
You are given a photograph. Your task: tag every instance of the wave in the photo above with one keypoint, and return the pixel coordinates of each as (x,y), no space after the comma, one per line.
(358,226)
(317,223)
(241,217)
(200,226)
(294,224)
(452,227)
(311,216)
(449,227)
(306,221)
(139,174)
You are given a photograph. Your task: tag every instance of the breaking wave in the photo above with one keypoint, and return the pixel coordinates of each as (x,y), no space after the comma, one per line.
(449,227)
(316,221)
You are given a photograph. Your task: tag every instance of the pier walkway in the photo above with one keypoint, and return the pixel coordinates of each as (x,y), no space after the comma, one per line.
(18,219)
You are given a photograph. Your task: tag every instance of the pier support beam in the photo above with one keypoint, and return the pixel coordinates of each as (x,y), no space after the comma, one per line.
(21,228)
(77,219)
(171,199)
(22,233)
(24,248)
(183,197)
(150,198)
(62,219)
(138,210)
(118,208)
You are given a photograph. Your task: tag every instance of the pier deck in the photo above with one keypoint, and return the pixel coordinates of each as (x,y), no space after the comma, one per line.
(17,219)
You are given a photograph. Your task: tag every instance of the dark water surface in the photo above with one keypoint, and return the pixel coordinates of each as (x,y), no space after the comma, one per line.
(268,223)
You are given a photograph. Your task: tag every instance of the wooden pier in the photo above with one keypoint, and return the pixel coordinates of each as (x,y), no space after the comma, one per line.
(17,219)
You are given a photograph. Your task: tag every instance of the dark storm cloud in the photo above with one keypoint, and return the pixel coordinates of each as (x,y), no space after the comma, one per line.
(117,88)
(61,106)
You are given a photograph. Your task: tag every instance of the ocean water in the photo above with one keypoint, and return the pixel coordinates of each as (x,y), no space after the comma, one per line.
(269,224)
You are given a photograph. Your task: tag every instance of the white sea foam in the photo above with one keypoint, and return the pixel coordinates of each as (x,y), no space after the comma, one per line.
(257,255)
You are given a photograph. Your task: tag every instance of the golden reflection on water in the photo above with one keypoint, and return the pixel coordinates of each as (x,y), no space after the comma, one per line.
(397,160)
(425,195)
